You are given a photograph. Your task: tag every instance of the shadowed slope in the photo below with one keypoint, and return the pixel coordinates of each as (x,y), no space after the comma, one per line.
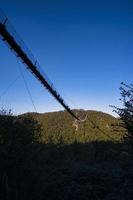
(61,169)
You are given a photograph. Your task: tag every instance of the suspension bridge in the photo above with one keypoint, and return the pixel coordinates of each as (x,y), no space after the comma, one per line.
(9,35)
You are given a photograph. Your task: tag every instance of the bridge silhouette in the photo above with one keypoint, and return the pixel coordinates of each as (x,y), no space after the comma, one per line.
(17,46)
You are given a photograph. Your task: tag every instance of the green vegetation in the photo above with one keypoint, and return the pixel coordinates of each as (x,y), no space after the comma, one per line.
(58,127)
(42,156)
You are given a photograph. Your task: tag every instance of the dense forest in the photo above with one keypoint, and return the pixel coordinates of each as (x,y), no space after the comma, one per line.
(58,127)
(43,156)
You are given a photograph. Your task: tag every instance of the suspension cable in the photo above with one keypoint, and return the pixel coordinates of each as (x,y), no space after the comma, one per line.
(9,86)
(27,87)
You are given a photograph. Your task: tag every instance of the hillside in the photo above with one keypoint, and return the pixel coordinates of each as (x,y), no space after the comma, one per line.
(59,127)
(43,157)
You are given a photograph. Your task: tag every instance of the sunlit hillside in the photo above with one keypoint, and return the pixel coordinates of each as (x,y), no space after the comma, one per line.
(60,127)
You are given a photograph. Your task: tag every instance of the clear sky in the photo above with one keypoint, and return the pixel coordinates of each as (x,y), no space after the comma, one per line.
(85,48)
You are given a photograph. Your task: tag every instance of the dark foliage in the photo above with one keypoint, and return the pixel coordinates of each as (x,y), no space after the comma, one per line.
(126,113)
(79,170)
(17,134)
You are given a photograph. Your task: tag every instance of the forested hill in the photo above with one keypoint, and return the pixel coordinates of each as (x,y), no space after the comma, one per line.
(42,156)
(59,127)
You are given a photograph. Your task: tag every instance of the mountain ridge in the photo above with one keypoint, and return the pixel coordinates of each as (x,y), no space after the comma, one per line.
(58,126)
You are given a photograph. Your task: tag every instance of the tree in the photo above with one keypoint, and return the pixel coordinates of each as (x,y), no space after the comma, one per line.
(18,136)
(126,113)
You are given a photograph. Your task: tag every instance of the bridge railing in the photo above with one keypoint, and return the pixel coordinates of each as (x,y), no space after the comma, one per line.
(9,27)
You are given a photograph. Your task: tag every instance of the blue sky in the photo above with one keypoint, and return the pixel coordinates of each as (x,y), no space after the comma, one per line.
(85,48)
